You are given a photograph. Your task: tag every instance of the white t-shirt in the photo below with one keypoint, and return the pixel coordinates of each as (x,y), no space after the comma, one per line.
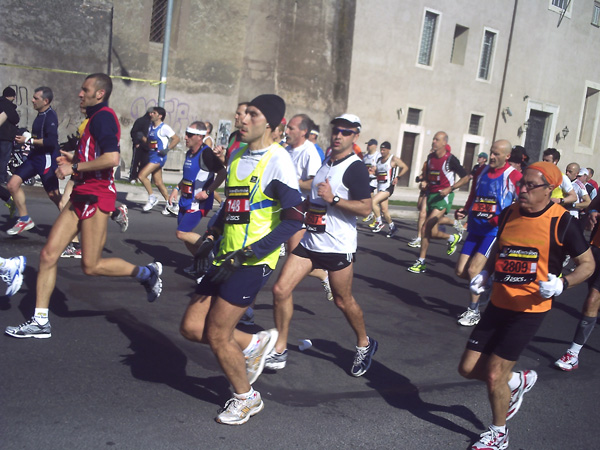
(306,160)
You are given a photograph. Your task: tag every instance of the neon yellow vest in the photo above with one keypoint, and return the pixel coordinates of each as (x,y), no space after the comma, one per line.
(249,213)
(558,192)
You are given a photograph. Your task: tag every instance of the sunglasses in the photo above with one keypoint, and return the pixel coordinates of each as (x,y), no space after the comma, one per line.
(530,186)
(344,132)
(191,135)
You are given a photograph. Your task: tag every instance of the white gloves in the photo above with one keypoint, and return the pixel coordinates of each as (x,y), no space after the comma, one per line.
(552,287)
(479,283)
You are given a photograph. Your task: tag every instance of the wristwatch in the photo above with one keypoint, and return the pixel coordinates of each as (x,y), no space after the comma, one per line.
(74,168)
(336,199)
(208,192)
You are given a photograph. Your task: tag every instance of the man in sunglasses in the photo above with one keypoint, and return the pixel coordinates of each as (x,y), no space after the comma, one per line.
(534,235)
(340,191)
(203,172)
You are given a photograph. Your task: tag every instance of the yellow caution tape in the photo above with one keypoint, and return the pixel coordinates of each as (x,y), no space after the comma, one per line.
(45,69)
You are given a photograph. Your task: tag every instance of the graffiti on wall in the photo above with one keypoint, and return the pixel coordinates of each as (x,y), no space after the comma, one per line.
(178,112)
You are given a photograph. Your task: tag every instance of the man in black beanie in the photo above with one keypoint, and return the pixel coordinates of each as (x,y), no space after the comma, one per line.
(262,210)
(9,118)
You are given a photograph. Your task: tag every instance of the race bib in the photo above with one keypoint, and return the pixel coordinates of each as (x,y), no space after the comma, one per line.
(516,265)
(485,207)
(315,218)
(434,177)
(153,145)
(382,177)
(237,205)
(187,189)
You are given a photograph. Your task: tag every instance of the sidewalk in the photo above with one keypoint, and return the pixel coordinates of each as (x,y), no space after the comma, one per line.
(137,193)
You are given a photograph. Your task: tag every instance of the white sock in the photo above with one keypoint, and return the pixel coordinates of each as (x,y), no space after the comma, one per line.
(41,315)
(501,429)
(245,395)
(251,346)
(575,348)
(514,382)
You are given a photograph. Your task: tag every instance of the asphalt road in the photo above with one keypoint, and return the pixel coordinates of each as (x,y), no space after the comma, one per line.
(117,374)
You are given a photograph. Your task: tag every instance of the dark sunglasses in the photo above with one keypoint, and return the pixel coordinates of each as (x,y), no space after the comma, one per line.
(191,135)
(344,132)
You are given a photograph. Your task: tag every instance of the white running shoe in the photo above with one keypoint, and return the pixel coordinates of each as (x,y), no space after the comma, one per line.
(123,218)
(255,362)
(568,362)
(237,411)
(327,289)
(152,201)
(528,379)
(469,318)
(12,273)
(415,243)
(30,329)
(492,440)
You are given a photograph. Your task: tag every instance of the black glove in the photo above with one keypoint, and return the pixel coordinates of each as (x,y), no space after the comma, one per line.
(163,152)
(203,257)
(231,262)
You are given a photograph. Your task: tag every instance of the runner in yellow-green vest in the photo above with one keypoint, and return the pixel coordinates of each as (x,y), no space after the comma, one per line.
(262,210)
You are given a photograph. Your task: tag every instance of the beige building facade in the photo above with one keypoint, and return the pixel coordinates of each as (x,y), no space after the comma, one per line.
(479,71)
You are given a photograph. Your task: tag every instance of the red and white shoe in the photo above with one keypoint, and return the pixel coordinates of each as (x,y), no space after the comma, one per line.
(20,226)
(569,361)
(528,379)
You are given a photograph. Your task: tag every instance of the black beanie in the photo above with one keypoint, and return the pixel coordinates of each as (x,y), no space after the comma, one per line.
(272,106)
(9,92)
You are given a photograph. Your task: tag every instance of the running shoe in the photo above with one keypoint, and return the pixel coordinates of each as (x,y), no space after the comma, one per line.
(12,209)
(237,411)
(392,230)
(491,440)
(123,218)
(369,218)
(569,361)
(20,226)
(247,318)
(452,245)
(72,251)
(459,227)
(165,211)
(469,318)
(276,361)
(153,285)
(190,270)
(151,203)
(415,243)
(418,267)
(255,362)
(373,224)
(363,357)
(12,273)
(173,209)
(30,329)
(378,227)
(528,379)
(327,289)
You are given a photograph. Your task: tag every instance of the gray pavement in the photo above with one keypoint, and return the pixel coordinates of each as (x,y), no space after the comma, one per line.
(117,374)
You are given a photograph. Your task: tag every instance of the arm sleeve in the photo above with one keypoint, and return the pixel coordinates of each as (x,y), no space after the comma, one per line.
(573,240)
(12,115)
(167,131)
(288,198)
(104,128)
(211,161)
(356,178)
(455,166)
